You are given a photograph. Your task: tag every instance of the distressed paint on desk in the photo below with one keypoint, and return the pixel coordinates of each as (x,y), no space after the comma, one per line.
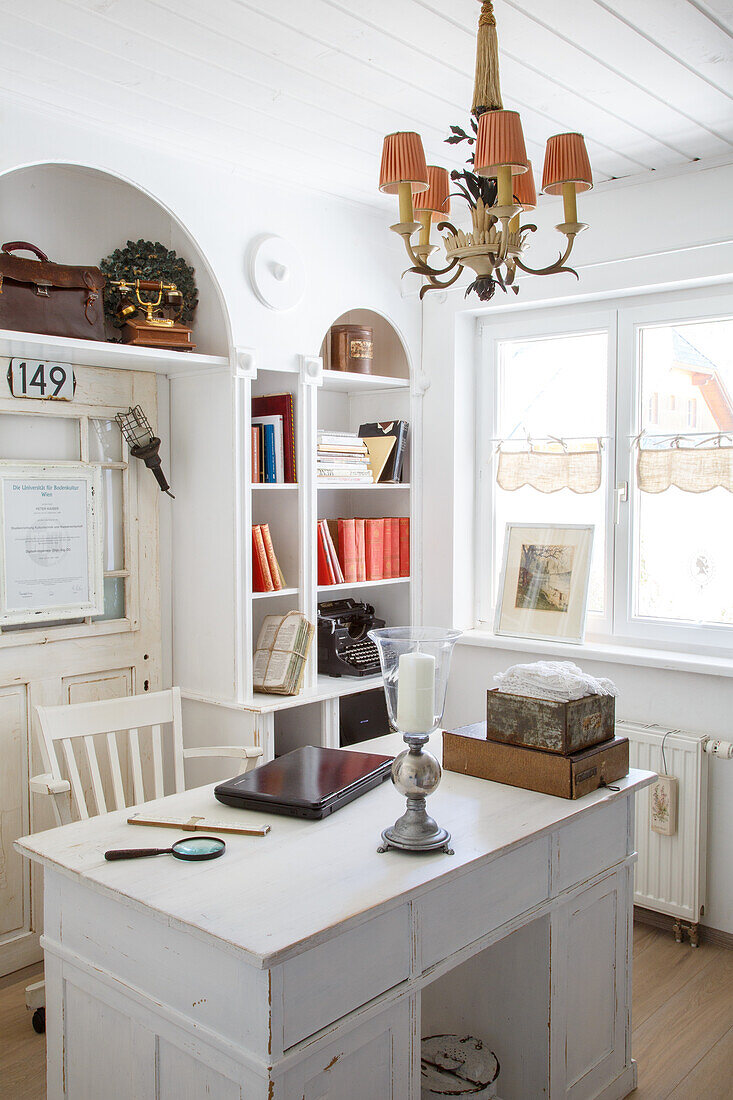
(275,999)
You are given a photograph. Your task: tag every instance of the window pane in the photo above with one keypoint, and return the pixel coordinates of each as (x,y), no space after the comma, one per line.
(683,539)
(114,599)
(105,441)
(555,386)
(39,438)
(114,553)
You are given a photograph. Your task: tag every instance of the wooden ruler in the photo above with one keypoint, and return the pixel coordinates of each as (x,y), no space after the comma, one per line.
(198,824)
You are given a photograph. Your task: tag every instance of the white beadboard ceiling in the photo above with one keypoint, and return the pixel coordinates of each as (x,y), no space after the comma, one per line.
(305,89)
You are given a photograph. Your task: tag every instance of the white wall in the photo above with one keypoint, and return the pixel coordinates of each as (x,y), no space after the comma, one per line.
(80,216)
(346,246)
(644,236)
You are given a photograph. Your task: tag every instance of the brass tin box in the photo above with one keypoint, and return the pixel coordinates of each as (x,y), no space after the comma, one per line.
(352,348)
(543,724)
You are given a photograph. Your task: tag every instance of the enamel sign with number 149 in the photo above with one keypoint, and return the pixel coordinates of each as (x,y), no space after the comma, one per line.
(41,380)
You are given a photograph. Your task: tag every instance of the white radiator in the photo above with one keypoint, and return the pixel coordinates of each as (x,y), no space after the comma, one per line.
(670,873)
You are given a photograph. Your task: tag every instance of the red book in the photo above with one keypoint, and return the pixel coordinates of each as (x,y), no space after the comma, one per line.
(404,547)
(271,559)
(261,579)
(280,404)
(331,551)
(374,543)
(360,541)
(394,534)
(347,548)
(325,570)
(255,454)
(387,569)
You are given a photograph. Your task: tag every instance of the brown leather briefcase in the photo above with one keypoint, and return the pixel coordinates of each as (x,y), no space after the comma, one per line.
(54,299)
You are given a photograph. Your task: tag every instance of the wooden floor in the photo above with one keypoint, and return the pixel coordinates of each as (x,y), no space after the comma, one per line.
(22,1052)
(683,1024)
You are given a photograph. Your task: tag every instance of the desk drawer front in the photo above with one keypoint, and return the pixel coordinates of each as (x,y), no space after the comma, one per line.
(326,982)
(454,915)
(596,841)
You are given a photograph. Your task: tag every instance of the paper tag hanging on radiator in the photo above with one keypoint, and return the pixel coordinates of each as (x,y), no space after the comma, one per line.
(663,805)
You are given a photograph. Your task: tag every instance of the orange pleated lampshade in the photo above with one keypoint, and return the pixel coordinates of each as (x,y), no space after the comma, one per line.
(403,161)
(566,161)
(524,189)
(437,196)
(499,143)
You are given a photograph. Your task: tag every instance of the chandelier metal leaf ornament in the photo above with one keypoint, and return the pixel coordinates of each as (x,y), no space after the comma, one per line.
(498,187)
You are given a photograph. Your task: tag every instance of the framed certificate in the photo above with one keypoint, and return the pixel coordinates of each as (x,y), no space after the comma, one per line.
(50,541)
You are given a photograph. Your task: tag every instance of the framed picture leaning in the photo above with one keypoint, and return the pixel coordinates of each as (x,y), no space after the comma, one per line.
(543,588)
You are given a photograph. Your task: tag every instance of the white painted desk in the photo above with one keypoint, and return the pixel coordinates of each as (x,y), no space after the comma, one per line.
(305,965)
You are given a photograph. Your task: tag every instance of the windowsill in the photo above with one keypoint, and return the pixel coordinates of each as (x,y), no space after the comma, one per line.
(703,664)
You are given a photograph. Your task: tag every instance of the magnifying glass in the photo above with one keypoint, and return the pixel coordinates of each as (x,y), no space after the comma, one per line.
(191,848)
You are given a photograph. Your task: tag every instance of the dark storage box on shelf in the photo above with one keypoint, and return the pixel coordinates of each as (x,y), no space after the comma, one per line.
(543,724)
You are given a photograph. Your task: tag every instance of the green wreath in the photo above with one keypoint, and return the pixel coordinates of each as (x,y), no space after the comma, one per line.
(148,260)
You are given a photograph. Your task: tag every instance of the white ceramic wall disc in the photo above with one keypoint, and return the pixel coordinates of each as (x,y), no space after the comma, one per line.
(277,272)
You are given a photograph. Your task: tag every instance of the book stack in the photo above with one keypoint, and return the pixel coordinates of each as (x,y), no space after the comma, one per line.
(267,576)
(342,456)
(567,749)
(354,550)
(273,439)
(281,653)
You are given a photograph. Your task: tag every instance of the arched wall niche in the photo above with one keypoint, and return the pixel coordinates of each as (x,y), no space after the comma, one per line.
(391,356)
(78,214)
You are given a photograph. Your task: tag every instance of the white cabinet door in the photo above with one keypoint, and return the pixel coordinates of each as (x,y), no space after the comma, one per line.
(369,1062)
(79,660)
(589,1011)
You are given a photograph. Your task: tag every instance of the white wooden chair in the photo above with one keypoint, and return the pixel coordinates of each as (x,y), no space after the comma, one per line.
(60,727)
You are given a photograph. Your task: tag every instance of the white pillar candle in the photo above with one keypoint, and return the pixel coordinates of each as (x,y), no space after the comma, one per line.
(416,692)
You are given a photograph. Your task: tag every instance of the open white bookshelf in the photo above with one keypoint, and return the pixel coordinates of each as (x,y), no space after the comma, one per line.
(277,594)
(384,488)
(99,353)
(322,399)
(350,586)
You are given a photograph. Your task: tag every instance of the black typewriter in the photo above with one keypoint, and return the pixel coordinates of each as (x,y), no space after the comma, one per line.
(343,646)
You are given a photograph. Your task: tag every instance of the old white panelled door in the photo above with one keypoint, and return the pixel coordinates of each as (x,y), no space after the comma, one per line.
(118,653)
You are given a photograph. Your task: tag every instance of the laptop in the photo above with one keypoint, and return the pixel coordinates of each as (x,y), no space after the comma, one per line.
(309,782)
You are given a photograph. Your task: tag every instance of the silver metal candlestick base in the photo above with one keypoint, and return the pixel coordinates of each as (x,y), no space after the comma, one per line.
(416,774)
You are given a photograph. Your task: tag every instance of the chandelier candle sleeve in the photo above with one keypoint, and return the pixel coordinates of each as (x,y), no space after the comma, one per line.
(404,171)
(567,170)
(416,693)
(433,204)
(525,194)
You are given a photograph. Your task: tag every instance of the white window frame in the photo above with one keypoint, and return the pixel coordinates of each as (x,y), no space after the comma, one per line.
(694,637)
(622,319)
(541,323)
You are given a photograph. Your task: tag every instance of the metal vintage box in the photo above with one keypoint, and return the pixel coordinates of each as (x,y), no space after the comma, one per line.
(352,348)
(553,727)
(468,751)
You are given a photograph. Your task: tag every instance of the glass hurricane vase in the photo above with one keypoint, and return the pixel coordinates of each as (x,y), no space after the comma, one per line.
(415,665)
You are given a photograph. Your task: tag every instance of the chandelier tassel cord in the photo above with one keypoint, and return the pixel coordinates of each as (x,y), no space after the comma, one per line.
(487,86)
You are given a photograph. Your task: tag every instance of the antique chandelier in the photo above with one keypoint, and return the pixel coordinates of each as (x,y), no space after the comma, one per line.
(499,187)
